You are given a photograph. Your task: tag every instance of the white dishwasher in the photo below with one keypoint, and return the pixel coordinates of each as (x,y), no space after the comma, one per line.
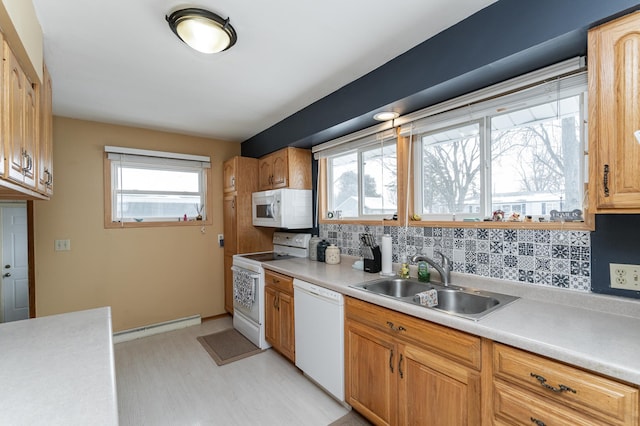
(319,334)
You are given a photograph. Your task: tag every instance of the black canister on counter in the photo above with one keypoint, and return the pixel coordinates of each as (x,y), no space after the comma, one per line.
(322,248)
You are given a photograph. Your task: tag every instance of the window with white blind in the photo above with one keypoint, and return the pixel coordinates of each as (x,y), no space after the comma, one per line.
(521,153)
(362,177)
(153,186)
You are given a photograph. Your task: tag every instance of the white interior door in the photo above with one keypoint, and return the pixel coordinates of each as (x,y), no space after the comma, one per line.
(15,264)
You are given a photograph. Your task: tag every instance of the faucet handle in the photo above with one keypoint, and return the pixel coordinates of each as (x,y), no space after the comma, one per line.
(446,262)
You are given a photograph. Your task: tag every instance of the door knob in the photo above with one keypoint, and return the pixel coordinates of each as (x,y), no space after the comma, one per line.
(8,274)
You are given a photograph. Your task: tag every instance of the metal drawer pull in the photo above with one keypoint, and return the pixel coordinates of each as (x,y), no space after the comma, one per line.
(391,361)
(400,367)
(537,422)
(394,328)
(605,180)
(559,389)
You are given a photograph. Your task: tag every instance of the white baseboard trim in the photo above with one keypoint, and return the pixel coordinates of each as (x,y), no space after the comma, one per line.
(161,327)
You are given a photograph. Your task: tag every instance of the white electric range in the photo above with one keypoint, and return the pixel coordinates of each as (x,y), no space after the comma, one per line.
(248,283)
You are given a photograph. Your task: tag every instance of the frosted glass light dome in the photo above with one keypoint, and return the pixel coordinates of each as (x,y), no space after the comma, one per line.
(202,30)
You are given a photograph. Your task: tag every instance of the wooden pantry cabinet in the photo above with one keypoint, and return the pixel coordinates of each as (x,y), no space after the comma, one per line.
(614,116)
(286,168)
(403,370)
(530,389)
(240,180)
(279,313)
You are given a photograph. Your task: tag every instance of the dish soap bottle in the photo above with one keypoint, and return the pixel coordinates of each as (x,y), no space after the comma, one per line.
(404,268)
(423,272)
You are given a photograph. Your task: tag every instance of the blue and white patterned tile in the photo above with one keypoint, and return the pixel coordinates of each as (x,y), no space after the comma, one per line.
(580,238)
(458,256)
(580,253)
(447,243)
(559,237)
(483,258)
(496,235)
(510,261)
(496,259)
(437,232)
(482,246)
(496,247)
(543,264)
(510,235)
(470,257)
(496,272)
(542,236)
(580,268)
(560,266)
(412,250)
(510,248)
(447,232)
(526,276)
(470,234)
(559,251)
(428,232)
(525,249)
(526,263)
(470,245)
(458,244)
(483,234)
(526,235)
(483,270)
(560,280)
(427,242)
(542,278)
(470,268)
(458,233)
(542,250)
(510,274)
(579,283)
(458,267)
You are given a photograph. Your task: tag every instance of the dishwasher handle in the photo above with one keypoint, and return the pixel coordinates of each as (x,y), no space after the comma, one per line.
(318,291)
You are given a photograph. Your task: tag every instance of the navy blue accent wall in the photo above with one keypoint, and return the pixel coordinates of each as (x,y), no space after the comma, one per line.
(506,39)
(615,240)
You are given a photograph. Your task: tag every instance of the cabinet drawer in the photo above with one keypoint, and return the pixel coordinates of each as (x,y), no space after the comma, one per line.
(280,281)
(513,406)
(569,386)
(459,346)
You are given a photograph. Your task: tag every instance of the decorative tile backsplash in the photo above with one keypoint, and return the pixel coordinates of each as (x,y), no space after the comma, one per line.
(542,257)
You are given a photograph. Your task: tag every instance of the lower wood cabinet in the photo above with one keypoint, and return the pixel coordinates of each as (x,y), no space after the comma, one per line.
(279,315)
(401,370)
(530,389)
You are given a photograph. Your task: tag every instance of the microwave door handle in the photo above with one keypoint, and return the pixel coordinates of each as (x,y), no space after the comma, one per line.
(274,210)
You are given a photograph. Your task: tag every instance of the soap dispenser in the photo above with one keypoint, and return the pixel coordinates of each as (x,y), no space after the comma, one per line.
(404,268)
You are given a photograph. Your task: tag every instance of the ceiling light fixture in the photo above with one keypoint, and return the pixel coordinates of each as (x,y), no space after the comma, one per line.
(202,30)
(386,116)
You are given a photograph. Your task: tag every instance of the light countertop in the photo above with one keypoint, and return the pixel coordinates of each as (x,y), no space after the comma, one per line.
(58,370)
(596,332)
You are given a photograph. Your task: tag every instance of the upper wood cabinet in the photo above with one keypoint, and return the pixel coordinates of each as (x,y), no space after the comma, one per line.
(45,141)
(229,171)
(286,168)
(614,116)
(20,121)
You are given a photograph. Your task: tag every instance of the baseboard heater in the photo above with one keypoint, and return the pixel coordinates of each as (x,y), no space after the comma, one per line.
(161,327)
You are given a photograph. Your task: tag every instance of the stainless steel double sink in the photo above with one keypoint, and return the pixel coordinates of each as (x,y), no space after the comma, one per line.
(467,303)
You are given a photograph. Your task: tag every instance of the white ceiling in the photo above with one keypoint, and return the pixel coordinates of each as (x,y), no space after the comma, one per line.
(117,61)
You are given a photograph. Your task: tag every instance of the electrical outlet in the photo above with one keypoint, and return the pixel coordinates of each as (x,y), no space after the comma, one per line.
(625,277)
(62,245)
(221,240)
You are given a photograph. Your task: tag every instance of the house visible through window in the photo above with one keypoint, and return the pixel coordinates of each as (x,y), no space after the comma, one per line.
(520,153)
(148,187)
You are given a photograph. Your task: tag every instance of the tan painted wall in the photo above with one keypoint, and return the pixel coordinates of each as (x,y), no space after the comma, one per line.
(21,27)
(146,275)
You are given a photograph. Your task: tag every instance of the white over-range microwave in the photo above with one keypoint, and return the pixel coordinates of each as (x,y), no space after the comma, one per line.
(282,208)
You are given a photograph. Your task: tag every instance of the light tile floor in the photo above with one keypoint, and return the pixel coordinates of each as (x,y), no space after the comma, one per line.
(169,379)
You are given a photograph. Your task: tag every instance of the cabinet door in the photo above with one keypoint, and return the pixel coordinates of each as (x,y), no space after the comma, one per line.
(230,220)
(30,134)
(14,115)
(45,144)
(287,330)
(229,175)
(434,390)
(371,361)
(228,283)
(271,320)
(265,173)
(614,113)
(280,171)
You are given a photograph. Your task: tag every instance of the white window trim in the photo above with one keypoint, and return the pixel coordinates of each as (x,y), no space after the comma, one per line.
(153,160)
